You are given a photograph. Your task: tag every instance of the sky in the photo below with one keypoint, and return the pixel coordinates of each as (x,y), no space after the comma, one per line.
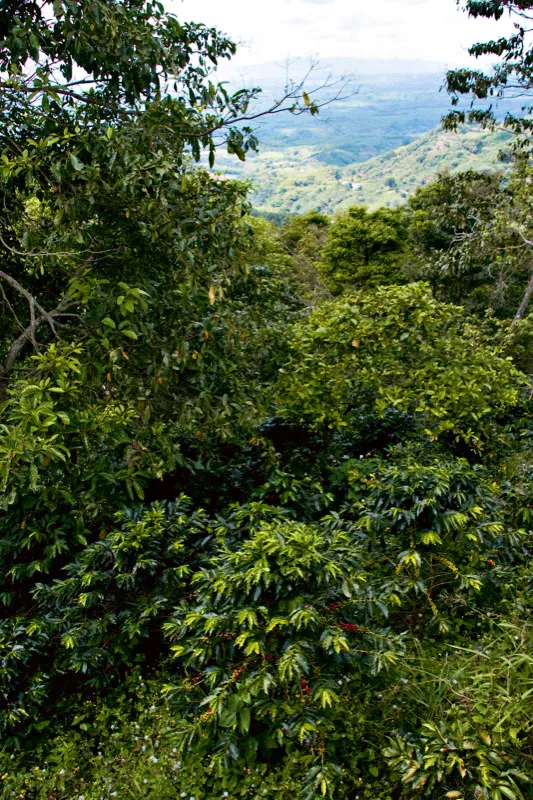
(429,30)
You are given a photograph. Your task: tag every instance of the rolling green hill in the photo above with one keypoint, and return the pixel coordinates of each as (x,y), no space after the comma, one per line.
(294,181)
(375,146)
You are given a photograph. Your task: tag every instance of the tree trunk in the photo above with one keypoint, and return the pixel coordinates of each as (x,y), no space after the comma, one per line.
(525,302)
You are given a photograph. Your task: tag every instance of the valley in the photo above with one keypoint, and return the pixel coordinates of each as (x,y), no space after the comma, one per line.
(374,148)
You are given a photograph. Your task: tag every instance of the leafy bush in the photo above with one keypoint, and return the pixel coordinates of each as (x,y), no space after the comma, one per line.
(398,347)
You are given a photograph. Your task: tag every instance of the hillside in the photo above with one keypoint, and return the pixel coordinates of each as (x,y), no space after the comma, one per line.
(376,146)
(293,181)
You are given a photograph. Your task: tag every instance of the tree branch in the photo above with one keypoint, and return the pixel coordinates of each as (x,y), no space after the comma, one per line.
(524,304)
(529,288)
(29,297)
(36,320)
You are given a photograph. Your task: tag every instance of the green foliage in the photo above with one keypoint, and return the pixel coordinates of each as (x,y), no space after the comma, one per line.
(304,238)
(246,550)
(298,229)
(129,746)
(400,348)
(365,249)
(473,750)
(452,233)
(99,618)
(513,70)
(518,344)
(470,234)
(293,644)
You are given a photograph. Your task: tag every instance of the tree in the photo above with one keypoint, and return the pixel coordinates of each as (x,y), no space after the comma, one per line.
(511,77)
(518,220)
(459,248)
(365,249)
(130,280)
(470,234)
(304,237)
(102,106)
(86,122)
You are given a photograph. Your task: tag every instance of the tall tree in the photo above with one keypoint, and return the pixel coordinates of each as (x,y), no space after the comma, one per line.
(102,107)
(465,231)
(511,77)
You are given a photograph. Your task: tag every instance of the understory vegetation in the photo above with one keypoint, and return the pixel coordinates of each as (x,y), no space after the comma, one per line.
(265,490)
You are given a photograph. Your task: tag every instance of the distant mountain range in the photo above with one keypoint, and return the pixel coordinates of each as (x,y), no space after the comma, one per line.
(387,104)
(375,147)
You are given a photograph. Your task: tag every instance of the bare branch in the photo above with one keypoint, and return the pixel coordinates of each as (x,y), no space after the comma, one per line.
(292,93)
(529,288)
(36,320)
(524,304)
(52,253)
(29,297)
(8,304)
(80,98)
(524,239)
(32,323)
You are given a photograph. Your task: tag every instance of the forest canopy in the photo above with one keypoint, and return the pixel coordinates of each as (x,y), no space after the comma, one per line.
(265,490)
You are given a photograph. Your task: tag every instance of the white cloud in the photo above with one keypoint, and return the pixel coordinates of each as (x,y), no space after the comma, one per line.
(433,30)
